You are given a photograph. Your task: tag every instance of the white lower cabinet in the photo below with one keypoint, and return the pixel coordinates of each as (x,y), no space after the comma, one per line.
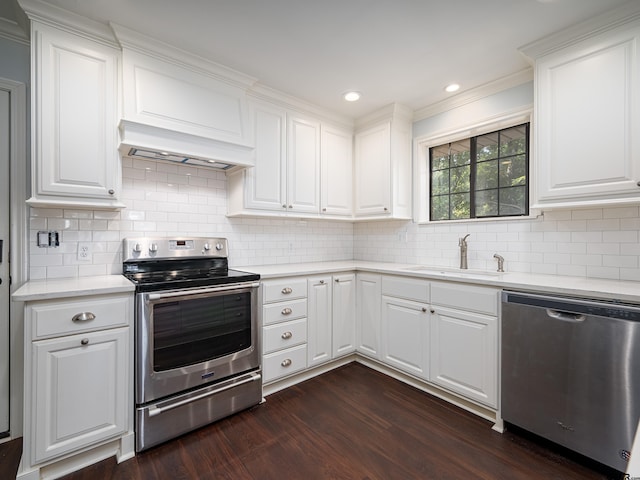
(464,340)
(344,314)
(368,298)
(78,382)
(405,335)
(319,344)
(79,396)
(464,354)
(284,331)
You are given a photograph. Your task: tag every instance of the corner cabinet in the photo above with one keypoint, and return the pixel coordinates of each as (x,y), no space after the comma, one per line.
(383,165)
(78,401)
(75,98)
(587,113)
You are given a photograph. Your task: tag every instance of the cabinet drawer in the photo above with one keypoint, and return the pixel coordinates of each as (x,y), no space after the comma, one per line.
(286,289)
(465,297)
(284,335)
(403,287)
(284,362)
(63,317)
(281,311)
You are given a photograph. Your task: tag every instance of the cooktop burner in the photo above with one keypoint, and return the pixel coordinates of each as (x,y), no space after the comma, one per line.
(178,263)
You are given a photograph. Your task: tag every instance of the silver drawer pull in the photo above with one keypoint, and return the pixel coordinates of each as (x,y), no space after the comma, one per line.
(83,317)
(287,290)
(286,362)
(287,311)
(84,341)
(287,335)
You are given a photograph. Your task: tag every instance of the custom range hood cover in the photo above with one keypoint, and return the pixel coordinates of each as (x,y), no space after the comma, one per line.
(154,143)
(180,107)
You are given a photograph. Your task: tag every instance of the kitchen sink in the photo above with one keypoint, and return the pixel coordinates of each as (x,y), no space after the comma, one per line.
(452,272)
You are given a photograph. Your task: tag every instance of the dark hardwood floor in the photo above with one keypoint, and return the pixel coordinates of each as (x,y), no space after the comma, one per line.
(351,423)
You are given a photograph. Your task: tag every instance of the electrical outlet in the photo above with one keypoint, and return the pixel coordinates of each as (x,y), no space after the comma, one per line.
(84,252)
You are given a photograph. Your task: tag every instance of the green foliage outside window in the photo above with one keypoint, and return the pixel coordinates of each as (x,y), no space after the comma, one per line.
(483,176)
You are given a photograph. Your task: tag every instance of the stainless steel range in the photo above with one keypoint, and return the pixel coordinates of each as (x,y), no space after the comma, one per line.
(197,347)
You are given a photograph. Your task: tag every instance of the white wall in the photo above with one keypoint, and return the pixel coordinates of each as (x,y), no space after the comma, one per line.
(168,199)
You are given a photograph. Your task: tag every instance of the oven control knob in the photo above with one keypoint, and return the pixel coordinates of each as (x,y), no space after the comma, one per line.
(219,246)
(206,247)
(137,248)
(153,248)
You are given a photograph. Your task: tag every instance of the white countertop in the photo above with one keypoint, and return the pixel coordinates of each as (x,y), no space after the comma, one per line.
(72,287)
(626,291)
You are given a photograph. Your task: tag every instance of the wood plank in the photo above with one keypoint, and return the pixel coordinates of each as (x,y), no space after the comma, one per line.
(350,423)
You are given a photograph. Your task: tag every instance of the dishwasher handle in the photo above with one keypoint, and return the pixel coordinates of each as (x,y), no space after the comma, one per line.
(566,316)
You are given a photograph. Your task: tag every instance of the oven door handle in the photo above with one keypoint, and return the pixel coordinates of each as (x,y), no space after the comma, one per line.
(182,293)
(155,410)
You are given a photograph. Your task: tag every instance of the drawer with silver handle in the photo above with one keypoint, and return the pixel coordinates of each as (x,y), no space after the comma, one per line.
(285,289)
(284,335)
(282,311)
(284,362)
(51,318)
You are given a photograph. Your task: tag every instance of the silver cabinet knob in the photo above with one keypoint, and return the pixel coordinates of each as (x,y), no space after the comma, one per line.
(111,191)
(337,280)
(153,248)
(286,311)
(433,310)
(284,206)
(286,335)
(286,290)
(321,282)
(83,317)
(286,362)
(84,341)
(424,309)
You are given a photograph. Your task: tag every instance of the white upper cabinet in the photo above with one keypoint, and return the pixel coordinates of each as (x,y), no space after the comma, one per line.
(587,113)
(383,164)
(303,164)
(300,164)
(336,166)
(75,100)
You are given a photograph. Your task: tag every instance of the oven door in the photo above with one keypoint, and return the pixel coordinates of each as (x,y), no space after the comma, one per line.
(188,338)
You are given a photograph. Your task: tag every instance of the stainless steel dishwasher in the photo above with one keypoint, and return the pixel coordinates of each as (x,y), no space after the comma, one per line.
(571,372)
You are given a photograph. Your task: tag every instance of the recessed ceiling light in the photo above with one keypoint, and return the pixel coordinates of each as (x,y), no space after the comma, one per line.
(454,87)
(351,96)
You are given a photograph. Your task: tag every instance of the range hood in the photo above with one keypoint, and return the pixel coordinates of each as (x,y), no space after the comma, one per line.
(155,143)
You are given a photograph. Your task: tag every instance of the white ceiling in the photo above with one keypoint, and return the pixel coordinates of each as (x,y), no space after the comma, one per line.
(391,50)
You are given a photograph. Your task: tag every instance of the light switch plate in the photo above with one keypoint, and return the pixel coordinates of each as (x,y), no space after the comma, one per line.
(84,251)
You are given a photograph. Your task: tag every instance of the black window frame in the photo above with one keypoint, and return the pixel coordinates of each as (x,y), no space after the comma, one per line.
(473,169)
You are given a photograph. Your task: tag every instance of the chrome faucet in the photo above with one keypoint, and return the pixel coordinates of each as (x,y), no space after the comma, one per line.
(462,243)
(500,259)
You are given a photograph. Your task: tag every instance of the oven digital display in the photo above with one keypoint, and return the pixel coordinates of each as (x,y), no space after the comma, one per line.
(180,244)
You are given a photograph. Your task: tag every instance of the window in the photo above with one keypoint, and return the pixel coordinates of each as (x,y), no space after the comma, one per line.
(480,177)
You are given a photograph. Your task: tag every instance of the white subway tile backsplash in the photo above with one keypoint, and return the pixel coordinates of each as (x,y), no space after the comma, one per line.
(167,199)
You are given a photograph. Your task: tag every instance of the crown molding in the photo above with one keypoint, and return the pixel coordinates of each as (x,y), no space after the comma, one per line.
(71,22)
(11,30)
(475,94)
(624,14)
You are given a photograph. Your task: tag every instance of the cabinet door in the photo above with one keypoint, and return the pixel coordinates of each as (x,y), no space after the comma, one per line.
(79,386)
(405,335)
(319,320)
(464,356)
(303,165)
(266,183)
(336,163)
(586,115)
(75,95)
(372,171)
(344,314)
(368,295)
